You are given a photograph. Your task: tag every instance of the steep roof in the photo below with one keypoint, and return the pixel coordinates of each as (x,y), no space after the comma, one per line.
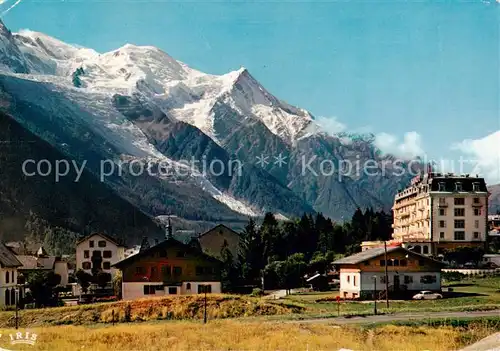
(33,262)
(217,226)
(164,244)
(379,251)
(7,257)
(102,235)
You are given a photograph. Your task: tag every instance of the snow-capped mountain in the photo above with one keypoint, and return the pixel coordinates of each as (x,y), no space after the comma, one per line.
(139,103)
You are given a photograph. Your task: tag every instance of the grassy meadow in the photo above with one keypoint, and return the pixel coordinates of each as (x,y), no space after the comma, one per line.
(471,294)
(235,335)
(151,309)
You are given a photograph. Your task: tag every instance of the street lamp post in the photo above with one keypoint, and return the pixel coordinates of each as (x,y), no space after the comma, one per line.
(375,294)
(16,296)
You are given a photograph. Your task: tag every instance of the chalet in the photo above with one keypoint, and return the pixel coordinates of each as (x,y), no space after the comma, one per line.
(212,241)
(363,273)
(98,252)
(169,268)
(8,276)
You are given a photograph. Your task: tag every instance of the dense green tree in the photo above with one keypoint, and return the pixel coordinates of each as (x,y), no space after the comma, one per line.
(42,286)
(84,279)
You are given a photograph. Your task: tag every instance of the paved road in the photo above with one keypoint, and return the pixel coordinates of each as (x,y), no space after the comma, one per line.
(491,343)
(387,318)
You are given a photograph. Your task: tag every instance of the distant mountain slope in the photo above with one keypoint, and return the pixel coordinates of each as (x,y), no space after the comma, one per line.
(139,105)
(494,199)
(84,206)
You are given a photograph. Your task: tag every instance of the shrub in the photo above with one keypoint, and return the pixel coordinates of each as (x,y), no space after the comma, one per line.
(257,292)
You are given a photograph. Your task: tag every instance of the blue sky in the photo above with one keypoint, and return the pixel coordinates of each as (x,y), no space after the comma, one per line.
(425,69)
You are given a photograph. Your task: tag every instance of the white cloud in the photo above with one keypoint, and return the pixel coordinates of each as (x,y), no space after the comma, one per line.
(483,154)
(331,125)
(410,146)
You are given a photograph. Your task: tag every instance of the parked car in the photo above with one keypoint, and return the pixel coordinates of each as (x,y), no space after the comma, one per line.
(427,295)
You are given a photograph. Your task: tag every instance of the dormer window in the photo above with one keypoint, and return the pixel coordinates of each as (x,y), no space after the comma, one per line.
(475,186)
(442,186)
(458,186)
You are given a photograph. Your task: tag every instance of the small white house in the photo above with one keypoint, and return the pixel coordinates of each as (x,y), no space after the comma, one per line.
(8,276)
(364,273)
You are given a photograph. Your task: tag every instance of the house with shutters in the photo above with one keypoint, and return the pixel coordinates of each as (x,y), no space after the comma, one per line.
(98,252)
(364,273)
(169,268)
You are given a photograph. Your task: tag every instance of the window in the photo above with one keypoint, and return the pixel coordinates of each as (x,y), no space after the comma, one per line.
(154,271)
(85,265)
(348,278)
(476,224)
(476,235)
(442,186)
(459,223)
(163,253)
(177,271)
(389,263)
(477,200)
(202,288)
(382,263)
(96,253)
(458,186)
(188,286)
(442,224)
(475,187)
(86,254)
(408,279)
(425,249)
(441,235)
(395,262)
(149,289)
(106,254)
(7,276)
(166,271)
(91,243)
(140,270)
(459,235)
(180,254)
(442,212)
(403,263)
(421,262)
(459,201)
(459,212)
(199,270)
(428,279)
(101,243)
(477,212)
(7,297)
(13,277)
(106,265)
(354,280)
(172,291)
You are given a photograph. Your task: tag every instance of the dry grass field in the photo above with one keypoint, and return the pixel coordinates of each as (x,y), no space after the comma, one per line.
(234,335)
(151,309)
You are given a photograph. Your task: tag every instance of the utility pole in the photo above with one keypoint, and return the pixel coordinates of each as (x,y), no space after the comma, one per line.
(205,288)
(386,277)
